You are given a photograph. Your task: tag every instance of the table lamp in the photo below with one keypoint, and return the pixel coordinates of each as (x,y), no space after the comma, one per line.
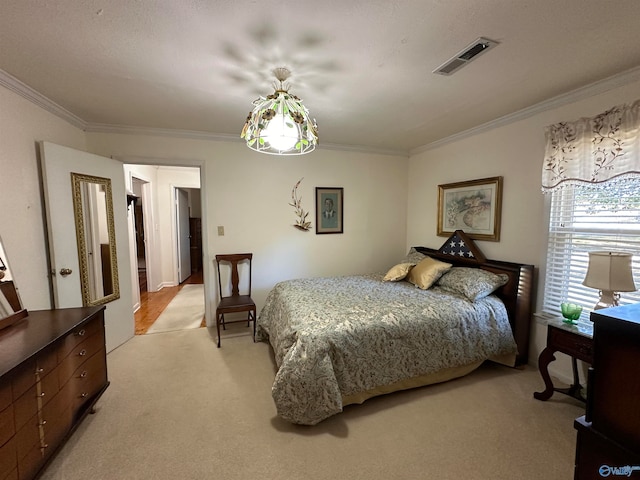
(609,272)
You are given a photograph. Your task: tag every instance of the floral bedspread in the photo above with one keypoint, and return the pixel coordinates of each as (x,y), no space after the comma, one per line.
(344,335)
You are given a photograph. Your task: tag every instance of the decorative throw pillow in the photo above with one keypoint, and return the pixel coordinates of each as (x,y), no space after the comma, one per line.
(413,256)
(473,283)
(398,272)
(425,273)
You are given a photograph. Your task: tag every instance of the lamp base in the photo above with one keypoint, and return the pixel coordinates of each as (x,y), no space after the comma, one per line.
(607,299)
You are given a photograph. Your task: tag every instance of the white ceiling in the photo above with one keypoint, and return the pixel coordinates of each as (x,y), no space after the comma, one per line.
(362,67)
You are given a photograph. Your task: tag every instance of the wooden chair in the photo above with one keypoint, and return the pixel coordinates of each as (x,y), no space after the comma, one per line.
(236,302)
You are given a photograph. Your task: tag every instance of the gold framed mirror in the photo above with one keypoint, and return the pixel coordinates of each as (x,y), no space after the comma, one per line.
(96,237)
(11,308)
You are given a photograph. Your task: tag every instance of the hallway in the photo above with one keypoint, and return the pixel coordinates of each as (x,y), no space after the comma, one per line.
(153,303)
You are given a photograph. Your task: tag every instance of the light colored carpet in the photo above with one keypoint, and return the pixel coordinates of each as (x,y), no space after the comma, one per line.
(180,408)
(186,310)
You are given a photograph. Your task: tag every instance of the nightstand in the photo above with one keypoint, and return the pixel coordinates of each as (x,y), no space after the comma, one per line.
(573,340)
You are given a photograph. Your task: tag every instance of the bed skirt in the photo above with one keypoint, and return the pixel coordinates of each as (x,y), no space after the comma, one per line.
(424,380)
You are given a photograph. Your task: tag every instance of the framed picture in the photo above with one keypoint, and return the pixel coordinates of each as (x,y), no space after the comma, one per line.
(329,210)
(473,207)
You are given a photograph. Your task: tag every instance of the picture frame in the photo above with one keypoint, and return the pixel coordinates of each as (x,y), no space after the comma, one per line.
(473,206)
(329,209)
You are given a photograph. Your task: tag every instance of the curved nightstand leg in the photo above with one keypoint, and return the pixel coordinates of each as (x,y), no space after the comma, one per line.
(546,357)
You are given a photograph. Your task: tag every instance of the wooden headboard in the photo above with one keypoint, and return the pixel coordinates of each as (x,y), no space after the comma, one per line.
(517,294)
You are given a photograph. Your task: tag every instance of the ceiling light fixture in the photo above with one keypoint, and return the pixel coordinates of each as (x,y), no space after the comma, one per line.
(279,124)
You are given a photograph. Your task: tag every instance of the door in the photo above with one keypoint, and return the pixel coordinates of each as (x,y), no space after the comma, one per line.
(57,165)
(184,242)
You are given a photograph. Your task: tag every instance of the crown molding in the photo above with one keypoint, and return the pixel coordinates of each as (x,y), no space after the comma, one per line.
(364,149)
(12,83)
(198,135)
(160,132)
(587,91)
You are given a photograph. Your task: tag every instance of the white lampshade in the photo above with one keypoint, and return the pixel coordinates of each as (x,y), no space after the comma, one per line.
(610,272)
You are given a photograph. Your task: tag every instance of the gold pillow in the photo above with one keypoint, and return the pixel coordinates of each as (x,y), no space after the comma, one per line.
(398,272)
(425,273)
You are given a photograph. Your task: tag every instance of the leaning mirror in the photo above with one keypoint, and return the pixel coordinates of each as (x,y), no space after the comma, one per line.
(11,308)
(95,233)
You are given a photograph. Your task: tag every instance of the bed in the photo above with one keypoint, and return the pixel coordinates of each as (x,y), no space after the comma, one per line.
(341,340)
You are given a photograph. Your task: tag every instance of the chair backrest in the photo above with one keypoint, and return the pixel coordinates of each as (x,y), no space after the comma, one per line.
(233,259)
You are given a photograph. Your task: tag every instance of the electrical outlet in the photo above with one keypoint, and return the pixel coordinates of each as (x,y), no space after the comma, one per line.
(220,231)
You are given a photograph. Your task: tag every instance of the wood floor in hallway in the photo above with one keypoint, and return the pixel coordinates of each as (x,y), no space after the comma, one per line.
(152,304)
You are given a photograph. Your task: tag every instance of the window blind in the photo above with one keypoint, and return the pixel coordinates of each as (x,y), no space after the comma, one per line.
(586,218)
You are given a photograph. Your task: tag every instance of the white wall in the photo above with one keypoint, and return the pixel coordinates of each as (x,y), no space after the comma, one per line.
(249,193)
(514,151)
(22,125)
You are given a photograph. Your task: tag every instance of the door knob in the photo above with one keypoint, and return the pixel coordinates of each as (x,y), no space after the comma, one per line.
(65,271)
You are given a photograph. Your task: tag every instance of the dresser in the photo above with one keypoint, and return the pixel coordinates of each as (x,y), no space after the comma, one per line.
(53,369)
(608,438)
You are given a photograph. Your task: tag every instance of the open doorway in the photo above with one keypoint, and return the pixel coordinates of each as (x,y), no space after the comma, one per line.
(167,232)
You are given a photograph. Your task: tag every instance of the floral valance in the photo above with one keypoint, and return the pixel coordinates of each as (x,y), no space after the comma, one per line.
(593,150)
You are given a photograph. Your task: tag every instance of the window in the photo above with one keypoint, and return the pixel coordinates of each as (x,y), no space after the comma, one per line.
(585,218)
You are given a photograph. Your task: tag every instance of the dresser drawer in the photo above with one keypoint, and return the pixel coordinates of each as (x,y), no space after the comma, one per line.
(575,345)
(42,364)
(23,378)
(79,335)
(43,426)
(38,454)
(38,395)
(87,380)
(56,411)
(5,394)
(8,459)
(56,429)
(27,437)
(32,462)
(7,428)
(79,354)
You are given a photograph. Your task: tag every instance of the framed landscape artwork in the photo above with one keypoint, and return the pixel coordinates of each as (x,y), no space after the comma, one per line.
(473,206)
(329,210)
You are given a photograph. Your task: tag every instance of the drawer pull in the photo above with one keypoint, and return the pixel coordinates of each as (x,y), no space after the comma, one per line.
(83,395)
(82,353)
(39,370)
(83,374)
(42,423)
(40,395)
(81,333)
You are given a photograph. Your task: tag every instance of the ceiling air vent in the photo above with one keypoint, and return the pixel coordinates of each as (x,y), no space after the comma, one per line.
(472,51)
